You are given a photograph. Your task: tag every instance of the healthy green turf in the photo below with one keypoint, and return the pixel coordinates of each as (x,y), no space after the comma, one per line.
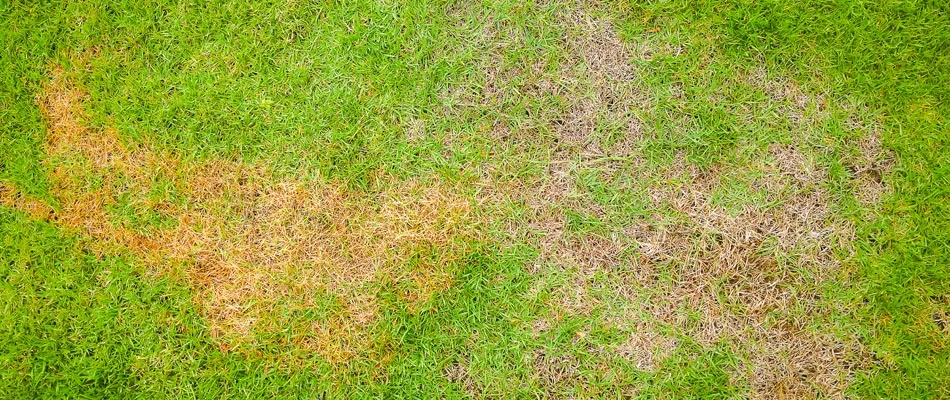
(346,90)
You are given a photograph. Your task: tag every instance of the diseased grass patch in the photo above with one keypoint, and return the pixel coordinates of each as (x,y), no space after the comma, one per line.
(751,279)
(736,235)
(686,199)
(258,250)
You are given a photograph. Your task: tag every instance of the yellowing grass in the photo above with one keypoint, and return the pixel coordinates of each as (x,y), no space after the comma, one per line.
(254,244)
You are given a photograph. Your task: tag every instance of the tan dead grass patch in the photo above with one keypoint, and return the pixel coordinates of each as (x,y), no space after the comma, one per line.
(458,373)
(803,109)
(646,348)
(255,245)
(749,278)
(555,371)
(753,278)
(594,82)
(870,169)
(806,110)
(600,86)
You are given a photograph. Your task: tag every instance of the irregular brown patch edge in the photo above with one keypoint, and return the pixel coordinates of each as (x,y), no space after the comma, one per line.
(427,207)
(789,239)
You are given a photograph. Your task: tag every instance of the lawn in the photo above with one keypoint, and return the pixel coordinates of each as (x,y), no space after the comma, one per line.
(450,199)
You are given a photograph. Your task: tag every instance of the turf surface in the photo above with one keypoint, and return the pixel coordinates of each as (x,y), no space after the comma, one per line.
(578,133)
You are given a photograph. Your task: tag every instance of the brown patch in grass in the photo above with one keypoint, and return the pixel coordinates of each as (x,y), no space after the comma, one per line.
(256,247)
(941,319)
(807,110)
(597,85)
(601,86)
(11,197)
(555,372)
(574,297)
(458,373)
(871,169)
(744,274)
(544,224)
(594,82)
(750,278)
(646,348)
(803,109)
(597,43)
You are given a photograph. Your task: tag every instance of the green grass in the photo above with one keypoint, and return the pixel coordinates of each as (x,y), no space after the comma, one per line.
(348,90)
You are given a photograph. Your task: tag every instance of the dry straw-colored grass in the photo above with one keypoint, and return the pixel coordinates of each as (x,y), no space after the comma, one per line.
(603,85)
(255,244)
(256,247)
(554,372)
(646,348)
(598,86)
(752,277)
(458,373)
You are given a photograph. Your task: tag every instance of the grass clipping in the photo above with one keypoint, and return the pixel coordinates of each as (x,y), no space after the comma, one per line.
(261,253)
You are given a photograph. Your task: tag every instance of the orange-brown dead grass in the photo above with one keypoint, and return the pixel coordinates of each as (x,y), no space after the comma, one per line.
(255,246)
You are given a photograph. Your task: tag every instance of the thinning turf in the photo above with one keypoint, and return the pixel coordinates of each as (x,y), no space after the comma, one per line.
(575,131)
(891,56)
